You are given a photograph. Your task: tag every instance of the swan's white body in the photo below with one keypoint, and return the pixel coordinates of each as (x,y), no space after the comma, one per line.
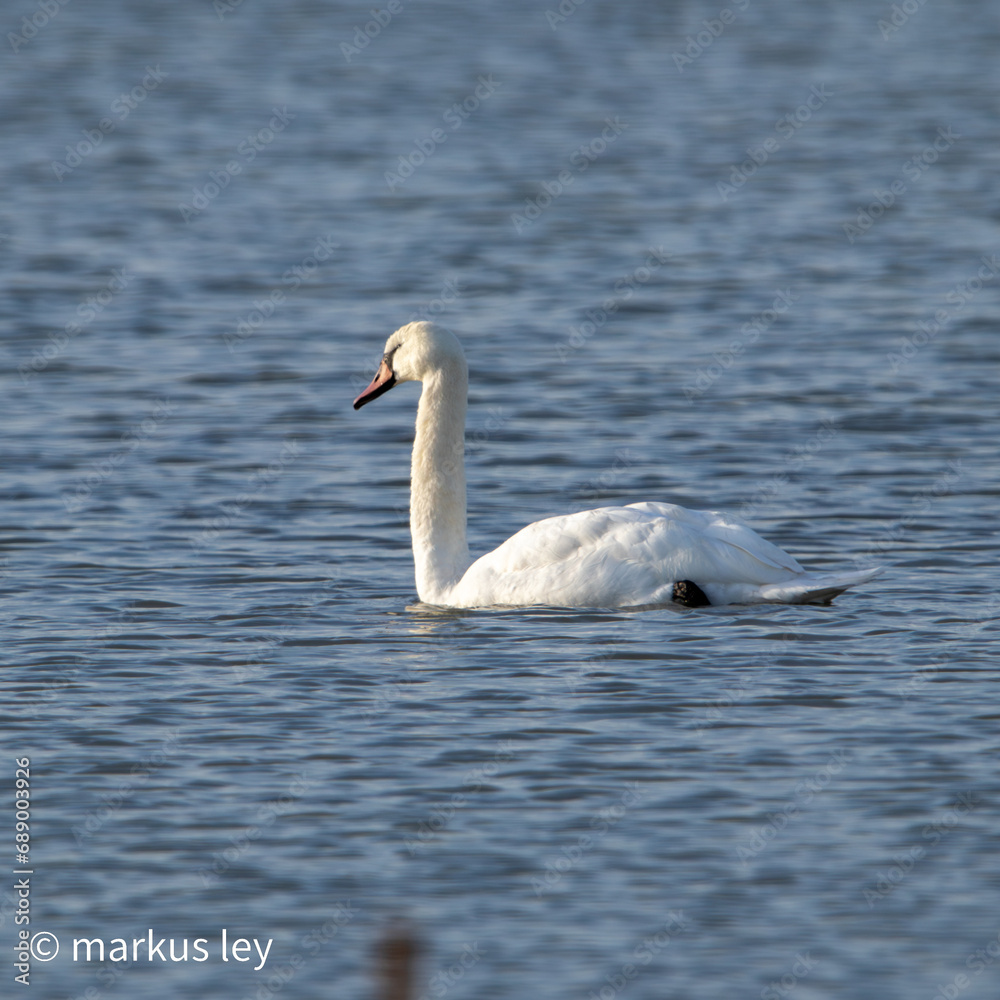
(611,557)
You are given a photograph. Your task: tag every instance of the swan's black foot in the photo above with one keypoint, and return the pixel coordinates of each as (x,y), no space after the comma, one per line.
(690,595)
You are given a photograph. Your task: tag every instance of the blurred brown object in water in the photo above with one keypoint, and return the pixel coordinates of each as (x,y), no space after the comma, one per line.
(397,955)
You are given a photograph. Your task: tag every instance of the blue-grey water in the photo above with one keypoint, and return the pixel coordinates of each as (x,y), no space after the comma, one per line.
(739,257)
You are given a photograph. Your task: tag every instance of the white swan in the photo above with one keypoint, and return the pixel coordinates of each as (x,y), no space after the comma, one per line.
(612,557)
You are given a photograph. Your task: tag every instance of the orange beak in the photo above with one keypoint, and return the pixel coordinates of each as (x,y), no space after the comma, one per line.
(384,380)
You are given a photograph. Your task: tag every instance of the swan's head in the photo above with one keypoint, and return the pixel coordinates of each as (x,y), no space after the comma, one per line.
(412,354)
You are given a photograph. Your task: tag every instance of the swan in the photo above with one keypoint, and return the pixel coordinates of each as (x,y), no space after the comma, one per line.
(613,557)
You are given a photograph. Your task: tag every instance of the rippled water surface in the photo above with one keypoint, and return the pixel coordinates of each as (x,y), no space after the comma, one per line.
(741,258)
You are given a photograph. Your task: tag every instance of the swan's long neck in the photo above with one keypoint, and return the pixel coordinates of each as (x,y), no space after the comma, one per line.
(437,483)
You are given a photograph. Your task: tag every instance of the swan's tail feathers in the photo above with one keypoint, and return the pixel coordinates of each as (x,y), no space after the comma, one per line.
(815,588)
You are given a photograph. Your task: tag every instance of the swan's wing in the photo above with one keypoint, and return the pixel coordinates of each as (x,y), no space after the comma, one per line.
(621,556)
(727,530)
